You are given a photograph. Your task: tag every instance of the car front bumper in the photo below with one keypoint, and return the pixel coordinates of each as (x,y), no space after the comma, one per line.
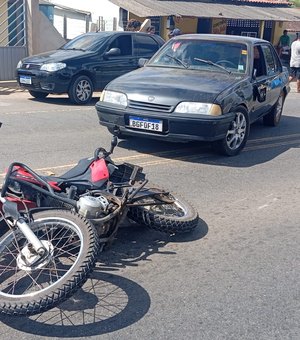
(175,127)
(42,81)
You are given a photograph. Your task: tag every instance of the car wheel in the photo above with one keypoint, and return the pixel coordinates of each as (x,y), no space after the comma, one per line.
(274,116)
(237,134)
(38,95)
(81,90)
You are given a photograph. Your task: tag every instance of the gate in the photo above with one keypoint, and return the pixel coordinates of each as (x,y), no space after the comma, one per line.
(12,36)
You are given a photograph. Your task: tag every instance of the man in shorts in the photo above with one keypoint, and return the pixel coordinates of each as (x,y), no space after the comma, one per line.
(295,62)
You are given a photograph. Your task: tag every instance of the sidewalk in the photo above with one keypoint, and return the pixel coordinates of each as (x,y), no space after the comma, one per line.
(10,86)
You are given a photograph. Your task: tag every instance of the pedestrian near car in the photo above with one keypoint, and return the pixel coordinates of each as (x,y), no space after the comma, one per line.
(295,62)
(283,43)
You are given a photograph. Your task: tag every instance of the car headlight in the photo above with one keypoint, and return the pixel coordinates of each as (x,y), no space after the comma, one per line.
(112,97)
(199,108)
(20,64)
(52,67)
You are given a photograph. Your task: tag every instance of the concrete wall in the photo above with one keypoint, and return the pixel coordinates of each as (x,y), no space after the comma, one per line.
(41,35)
(75,22)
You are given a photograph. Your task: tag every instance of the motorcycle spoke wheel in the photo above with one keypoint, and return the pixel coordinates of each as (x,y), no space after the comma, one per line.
(30,284)
(178,217)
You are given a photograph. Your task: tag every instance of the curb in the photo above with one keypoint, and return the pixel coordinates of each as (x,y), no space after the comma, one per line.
(9,86)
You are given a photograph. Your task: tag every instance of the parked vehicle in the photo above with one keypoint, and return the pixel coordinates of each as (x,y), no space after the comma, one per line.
(85,64)
(199,87)
(52,227)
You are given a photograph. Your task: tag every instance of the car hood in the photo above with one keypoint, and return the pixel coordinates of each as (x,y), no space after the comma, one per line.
(55,56)
(169,85)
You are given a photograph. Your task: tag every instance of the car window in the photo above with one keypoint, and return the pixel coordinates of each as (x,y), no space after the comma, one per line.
(124,43)
(259,61)
(201,54)
(144,45)
(86,42)
(271,62)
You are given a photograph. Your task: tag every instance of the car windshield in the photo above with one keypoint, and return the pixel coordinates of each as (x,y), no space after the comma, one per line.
(86,42)
(196,54)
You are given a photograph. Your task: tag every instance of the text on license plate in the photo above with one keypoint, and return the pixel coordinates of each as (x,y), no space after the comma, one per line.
(25,80)
(146,123)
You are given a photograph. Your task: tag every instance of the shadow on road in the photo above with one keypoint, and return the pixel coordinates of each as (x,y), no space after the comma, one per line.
(64,100)
(107,302)
(264,144)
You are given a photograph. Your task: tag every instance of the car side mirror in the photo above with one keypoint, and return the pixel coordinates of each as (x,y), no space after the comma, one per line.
(112,52)
(142,62)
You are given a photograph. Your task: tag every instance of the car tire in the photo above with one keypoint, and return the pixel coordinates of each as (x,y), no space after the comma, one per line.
(274,116)
(81,90)
(38,95)
(237,134)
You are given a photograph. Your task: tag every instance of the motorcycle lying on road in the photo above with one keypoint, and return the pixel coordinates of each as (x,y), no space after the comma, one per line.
(52,228)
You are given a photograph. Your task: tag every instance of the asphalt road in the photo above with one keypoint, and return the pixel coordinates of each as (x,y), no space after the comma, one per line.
(235,277)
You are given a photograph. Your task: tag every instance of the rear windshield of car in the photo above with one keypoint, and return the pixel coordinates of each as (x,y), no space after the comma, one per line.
(202,54)
(88,42)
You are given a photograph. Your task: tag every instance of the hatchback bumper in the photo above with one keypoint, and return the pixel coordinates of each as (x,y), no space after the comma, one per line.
(54,82)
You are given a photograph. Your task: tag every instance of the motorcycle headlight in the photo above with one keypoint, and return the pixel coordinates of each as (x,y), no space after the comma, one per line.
(112,97)
(199,108)
(20,64)
(52,67)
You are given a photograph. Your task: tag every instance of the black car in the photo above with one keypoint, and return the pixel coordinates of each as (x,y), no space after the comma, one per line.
(86,63)
(199,87)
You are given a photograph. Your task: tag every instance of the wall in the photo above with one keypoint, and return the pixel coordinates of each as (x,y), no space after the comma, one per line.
(41,34)
(75,22)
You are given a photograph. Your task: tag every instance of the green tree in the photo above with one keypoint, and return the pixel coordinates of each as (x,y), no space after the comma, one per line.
(296,3)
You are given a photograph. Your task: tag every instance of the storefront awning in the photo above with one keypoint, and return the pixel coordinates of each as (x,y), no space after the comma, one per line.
(147,8)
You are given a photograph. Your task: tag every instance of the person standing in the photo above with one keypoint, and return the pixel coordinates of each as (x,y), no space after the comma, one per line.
(283,43)
(295,62)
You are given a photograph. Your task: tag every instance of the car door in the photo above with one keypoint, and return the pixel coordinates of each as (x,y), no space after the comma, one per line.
(273,72)
(262,96)
(114,66)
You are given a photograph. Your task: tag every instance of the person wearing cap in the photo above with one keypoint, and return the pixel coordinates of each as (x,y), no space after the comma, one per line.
(295,62)
(174,33)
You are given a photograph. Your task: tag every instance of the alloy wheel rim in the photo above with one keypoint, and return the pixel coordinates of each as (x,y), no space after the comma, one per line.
(83,90)
(237,132)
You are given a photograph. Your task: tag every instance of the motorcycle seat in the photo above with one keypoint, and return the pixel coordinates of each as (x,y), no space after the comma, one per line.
(75,172)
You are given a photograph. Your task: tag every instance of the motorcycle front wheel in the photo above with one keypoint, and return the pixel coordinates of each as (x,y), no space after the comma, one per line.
(30,284)
(177,217)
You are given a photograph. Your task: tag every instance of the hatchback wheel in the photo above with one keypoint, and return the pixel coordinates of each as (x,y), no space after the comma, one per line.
(38,95)
(81,90)
(237,134)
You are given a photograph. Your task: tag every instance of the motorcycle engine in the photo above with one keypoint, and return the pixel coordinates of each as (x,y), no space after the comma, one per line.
(92,207)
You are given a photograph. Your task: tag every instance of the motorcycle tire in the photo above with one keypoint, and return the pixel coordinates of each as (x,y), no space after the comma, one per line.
(178,217)
(28,288)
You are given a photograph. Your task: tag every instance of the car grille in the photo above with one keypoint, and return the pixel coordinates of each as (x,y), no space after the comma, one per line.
(149,106)
(28,66)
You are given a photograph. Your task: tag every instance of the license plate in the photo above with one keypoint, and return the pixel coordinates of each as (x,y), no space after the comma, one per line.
(146,123)
(25,80)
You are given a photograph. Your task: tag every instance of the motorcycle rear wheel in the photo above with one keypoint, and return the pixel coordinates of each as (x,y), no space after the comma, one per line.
(26,287)
(178,217)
